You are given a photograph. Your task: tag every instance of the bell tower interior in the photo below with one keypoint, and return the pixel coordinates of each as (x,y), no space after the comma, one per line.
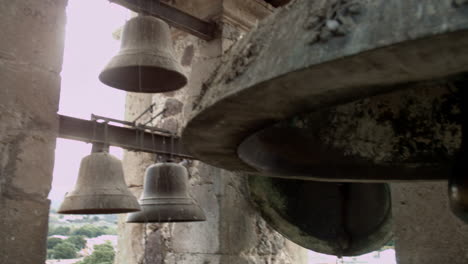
(254,131)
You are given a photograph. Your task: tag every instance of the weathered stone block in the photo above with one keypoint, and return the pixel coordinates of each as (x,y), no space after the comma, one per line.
(32,170)
(237,229)
(29,97)
(173,107)
(134,165)
(130,243)
(23,230)
(202,237)
(425,229)
(33,32)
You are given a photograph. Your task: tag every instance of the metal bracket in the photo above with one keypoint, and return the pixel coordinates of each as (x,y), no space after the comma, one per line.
(174,17)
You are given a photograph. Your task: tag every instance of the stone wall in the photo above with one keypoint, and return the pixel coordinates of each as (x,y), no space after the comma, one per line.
(234,232)
(30,63)
(425,229)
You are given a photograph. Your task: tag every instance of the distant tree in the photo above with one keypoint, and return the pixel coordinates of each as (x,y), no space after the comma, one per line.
(96,218)
(64,250)
(110,218)
(53,241)
(78,241)
(111,230)
(102,254)
(89,231)
(59,230)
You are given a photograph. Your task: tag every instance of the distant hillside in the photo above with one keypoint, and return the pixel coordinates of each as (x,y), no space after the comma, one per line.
(73,237)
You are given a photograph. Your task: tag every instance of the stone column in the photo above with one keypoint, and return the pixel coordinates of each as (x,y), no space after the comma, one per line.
(31,49)
(234,232)
(425,229)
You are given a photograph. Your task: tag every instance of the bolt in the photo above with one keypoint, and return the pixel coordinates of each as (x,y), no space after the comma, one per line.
(332,25)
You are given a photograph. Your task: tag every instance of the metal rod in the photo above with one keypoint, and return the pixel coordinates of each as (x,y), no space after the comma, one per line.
(155,116)
(150,108)
(124,137)
(108,119)
(174,17)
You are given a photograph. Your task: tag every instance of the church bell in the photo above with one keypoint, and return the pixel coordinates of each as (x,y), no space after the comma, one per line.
(145,62)
(165,197)
(100,187)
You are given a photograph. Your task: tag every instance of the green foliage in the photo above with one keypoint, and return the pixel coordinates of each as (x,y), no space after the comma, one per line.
(89,231)
(111,230)
(102,254)
(59,230)
(64,250)
(53,241)
(78,241)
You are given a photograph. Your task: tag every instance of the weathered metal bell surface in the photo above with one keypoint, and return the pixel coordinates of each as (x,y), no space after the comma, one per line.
(145,62)
(323,69)
(100,188)
(407,135)
(165,197)
(342,219)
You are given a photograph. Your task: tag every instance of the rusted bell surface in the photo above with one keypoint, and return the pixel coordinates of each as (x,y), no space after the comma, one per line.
(100,188)
(145,62)
(165,197)
(342,219)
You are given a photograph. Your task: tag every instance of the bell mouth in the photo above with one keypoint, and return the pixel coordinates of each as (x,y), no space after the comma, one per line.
(164,201)
(142,72)
(329,224)
(99,204)
(99,211)
(127,79)
(168,213)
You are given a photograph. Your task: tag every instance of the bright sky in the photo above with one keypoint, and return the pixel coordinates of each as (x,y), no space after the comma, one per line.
(89,45)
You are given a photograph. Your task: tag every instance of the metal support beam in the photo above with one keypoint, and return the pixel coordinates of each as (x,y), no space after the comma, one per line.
(174,17)
(127,138)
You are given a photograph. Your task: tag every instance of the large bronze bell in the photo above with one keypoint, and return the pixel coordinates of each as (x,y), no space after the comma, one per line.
(342,219)
(100,187)
(165,197)
(146,62)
